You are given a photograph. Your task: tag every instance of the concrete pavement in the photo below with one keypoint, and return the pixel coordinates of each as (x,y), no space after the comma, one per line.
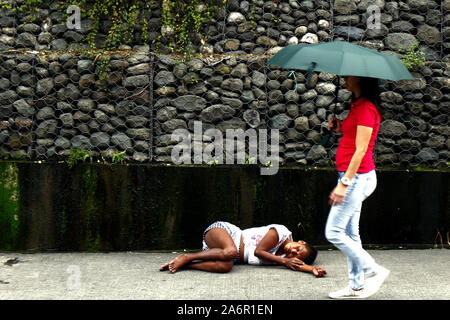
(422,274)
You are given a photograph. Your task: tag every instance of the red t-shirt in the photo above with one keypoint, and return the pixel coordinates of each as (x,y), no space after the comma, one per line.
(362,113)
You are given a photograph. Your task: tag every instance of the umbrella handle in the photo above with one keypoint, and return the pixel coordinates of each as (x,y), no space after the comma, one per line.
(310,71)
(336,93)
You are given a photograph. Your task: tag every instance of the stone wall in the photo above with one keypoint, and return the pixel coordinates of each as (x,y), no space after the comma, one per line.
(131,100)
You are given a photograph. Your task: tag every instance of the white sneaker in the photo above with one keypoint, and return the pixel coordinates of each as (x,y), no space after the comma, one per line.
(373,283)
(346,293)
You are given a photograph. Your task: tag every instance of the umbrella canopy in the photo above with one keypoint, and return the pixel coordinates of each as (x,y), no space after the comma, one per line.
(341,58)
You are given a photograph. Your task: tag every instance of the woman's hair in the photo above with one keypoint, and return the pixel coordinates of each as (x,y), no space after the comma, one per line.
(312,254)
(371,90)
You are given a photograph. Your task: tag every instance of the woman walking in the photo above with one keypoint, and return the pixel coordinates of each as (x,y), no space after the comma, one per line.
(356,181)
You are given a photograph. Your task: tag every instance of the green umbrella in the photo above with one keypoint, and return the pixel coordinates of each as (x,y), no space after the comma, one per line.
(341,58)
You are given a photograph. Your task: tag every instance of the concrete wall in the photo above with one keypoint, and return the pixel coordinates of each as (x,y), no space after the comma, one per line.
(97,207)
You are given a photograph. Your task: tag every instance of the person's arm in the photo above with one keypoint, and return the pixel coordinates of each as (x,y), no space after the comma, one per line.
(268,242)
(363,135)
(317,271)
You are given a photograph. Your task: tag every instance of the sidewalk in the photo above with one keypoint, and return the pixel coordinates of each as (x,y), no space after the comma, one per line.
(415,274)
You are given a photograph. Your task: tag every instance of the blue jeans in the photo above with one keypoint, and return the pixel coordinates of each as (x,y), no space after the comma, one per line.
(342,228)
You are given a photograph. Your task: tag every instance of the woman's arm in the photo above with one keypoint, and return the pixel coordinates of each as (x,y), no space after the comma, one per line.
(269,241)
(317,271)
(363,135)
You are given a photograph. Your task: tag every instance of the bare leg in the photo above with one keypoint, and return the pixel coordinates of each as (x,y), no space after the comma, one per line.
(211,266)
(222,249)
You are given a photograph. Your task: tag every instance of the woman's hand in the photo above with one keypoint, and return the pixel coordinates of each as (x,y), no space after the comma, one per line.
(334,124)
(293,263)
(318,271)
(337,195)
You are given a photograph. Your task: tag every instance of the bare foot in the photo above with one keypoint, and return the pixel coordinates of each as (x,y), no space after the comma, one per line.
(164,267)
(177,263)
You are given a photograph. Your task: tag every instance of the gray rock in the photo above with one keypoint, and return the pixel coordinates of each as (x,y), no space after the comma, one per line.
(100,140)
(399,41)
(86,80)
(427,155)
(23,67)
(422,5)
(409,145)
(81,116)
(252,118)
(344,6)
(235,103)
(100,116)
(58,44)
(233,85)
(136,81)
(26,40)
(364,4)
(281,121)
(402,26)
(67,120)
(166,113)
(392,128)
(235,18)
(164,78)
(44,86)
(47,128)
(317,152)
(85,66)
(45,113)
(121,141)
(139,133)
(189,103)
(410,85)
(302,124)
(353,33)
(173,124)
(23,108)
(258,79)
(62,143)
(428,34)
(217,112)
(436,142)
(234,123)
(142,68)
(86,105)
(136,121)
(8,97)
(81,142)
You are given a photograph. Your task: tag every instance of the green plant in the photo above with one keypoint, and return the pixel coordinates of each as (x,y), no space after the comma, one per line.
(77,155)
(414,59)
(118,157)
(251,160)
(123,15)
(213,162)
(253,15)
(27,6)
(182,21)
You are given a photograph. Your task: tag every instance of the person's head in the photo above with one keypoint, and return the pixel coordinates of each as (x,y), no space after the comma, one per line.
(364,87)
(301,250)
